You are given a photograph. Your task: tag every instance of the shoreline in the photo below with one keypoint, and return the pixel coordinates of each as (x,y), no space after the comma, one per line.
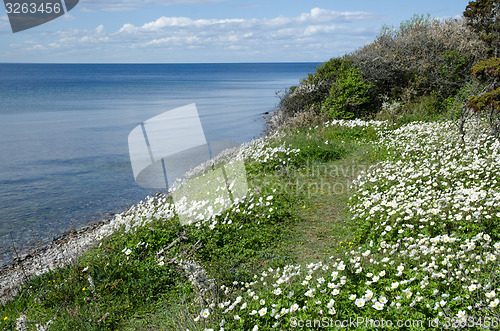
(59,252)
(22,253)
(68,247)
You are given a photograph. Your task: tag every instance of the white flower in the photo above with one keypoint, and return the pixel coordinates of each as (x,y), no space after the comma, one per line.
(494,303)
(360,302)
(394,285)
(442,303)
(277,291)
(461,313)
(294,307)
(128,251)
(352,297)
(263,311)
(490,295)
(378,305)
(205,313)
(472,287)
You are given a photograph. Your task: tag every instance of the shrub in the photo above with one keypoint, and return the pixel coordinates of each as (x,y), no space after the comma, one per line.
(349,96)
(309,94)
(421,56)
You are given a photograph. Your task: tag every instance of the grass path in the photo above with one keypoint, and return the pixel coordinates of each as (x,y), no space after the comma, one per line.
(323,228)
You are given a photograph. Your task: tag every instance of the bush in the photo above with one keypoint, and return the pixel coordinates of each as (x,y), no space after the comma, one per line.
(349,96)
(309,94)
(421,56)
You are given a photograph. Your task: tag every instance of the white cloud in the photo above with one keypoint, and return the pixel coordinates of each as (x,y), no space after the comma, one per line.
(125,5)
(199,40)
(68,17)
(4,21)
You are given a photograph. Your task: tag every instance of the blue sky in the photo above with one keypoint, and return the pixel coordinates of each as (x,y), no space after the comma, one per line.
(176,31)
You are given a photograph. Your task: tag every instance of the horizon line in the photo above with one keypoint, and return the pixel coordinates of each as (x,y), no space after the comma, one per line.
(271,62)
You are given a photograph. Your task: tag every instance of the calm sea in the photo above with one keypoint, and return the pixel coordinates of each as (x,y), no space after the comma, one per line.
(64,159)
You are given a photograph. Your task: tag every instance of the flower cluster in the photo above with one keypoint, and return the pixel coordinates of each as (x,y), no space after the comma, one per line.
(429,221)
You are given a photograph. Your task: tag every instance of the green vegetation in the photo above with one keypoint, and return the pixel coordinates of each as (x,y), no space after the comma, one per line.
(365,201)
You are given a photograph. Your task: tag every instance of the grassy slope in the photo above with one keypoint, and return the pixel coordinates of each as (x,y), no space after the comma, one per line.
(297,213)
(133,292)
(320,187)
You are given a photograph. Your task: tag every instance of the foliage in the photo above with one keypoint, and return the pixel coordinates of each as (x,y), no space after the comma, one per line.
(487,103)
(349,96)
(459,110)
(327,71)
(424,108)
(422,56)
(310,93)
(481,103)
(453,72)
(488,69)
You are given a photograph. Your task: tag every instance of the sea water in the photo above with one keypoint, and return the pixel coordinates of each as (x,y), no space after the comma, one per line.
(64,159)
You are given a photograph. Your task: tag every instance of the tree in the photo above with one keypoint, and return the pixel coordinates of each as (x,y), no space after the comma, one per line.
(488,102)
(483,17)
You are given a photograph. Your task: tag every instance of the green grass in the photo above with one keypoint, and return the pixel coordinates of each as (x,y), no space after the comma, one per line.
(133,292)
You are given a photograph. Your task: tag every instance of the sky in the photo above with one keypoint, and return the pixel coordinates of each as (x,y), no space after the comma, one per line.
(211,31)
